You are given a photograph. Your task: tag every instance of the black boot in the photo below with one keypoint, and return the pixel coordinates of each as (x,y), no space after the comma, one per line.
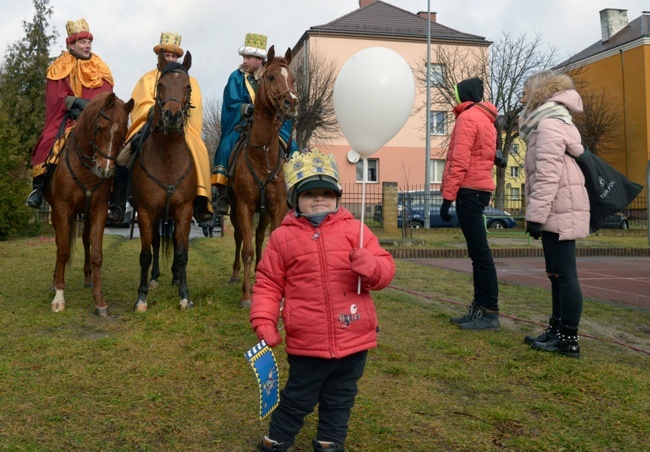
(117,203)
(269,445)
(548,334)
(467,317)
(565,343)
(221,206)
(201,211)
(35,198)
(326,446)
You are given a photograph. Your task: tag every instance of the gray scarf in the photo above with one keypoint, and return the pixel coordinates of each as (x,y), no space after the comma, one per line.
(528,122)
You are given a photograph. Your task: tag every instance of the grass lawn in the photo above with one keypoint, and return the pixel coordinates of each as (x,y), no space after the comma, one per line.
(172,380)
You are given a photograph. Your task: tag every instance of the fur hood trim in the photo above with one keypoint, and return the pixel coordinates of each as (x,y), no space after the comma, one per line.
(550,87)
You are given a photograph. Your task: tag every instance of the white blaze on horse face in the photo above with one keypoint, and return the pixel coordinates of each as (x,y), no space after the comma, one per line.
(114,128)
(285,74)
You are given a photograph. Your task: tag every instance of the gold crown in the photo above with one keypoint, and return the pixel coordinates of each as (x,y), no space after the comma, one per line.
(254,45)
(72,27)
(308,164)
(169,42)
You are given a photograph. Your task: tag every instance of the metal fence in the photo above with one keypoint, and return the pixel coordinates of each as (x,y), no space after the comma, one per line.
(637,211)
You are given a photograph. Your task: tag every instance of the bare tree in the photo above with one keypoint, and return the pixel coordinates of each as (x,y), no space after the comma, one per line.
(212,125)
(507,65)
(315,76)
(599,123)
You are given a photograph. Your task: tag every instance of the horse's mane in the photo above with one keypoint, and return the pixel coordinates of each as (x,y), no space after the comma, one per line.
(173,67)
(86,123)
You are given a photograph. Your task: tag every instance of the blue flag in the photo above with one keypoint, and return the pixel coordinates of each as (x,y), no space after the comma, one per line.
(265,367)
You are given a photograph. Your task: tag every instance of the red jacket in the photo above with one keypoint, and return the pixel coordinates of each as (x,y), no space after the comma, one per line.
(309,267)
(472,148)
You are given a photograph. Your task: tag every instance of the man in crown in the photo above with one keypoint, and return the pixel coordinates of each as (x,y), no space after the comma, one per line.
(144,95)
(239,103)
(74,78)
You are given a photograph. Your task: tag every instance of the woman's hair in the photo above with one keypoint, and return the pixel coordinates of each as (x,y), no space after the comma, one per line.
(535,82)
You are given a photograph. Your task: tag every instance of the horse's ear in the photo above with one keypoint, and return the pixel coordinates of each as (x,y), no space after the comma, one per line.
(129,106)
(110,100)
(187,61)
(271,54)
(162,62)
(288,55)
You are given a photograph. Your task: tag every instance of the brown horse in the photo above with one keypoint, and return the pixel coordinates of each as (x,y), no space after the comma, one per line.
(164,182)
(258,182)
(81,185)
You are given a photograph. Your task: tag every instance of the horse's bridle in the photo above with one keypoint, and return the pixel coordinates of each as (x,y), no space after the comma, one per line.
(185,107)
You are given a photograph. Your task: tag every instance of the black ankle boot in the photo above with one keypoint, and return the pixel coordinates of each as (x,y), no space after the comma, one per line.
(269,445)
(548,334)
(326,446)
(35,198)
(201,211)
(220,203)
(117,203)
(565,343)
(467,317)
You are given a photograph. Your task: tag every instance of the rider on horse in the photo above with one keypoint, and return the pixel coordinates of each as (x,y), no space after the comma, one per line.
(144,95)
(73,79)
(238,103)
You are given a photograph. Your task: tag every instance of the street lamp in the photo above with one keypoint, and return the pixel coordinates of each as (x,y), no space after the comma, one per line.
(427,147)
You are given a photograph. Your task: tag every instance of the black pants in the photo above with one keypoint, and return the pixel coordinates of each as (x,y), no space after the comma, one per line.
(332,383)
(560,258)
(469,208)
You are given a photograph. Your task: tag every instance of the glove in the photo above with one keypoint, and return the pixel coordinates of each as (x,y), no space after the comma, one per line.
(248,111)
(267,332)
(364,264)
(76,105)
(500,160)
(534,229)
(444,211)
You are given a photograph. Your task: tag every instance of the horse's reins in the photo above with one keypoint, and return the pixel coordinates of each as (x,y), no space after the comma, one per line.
(83,157)
(170,189)
(279,120)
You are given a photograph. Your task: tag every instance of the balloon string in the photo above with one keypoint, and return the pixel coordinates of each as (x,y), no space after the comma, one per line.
(363,210)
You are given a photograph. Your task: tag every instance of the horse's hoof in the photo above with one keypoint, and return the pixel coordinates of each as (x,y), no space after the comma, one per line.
(153,284)
(88,284)
(185,304)
(233,280)
(140,306)
(58,307)
(245,304)
(102,312)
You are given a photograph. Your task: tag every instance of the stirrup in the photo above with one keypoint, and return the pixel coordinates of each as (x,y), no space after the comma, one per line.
(115,213)
(35,199)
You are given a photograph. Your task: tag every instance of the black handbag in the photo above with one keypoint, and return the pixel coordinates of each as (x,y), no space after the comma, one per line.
(609,190)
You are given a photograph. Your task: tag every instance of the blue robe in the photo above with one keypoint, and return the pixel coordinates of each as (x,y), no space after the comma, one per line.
(235,97)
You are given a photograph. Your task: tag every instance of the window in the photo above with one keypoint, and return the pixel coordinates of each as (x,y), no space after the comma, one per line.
(514,149)
(373,173)
(514,193)
(438,123)
(437,75)
(514,171)
(436,168)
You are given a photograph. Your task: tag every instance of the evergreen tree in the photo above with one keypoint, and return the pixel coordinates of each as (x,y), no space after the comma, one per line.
(22,78)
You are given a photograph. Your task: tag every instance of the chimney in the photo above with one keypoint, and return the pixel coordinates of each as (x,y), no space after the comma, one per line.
(612,21)
(432,16)
(363,3)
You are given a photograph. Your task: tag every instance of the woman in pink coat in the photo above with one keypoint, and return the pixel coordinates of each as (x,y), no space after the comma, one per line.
(315,273)
(557,204)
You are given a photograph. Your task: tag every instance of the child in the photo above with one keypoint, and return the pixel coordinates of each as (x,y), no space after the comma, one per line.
(314,261)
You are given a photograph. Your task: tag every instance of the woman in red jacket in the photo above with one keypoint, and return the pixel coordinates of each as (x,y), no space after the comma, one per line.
(467,179)
(314,262)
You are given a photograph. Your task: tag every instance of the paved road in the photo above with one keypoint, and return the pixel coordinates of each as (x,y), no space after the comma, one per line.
(195,231)
(624,280)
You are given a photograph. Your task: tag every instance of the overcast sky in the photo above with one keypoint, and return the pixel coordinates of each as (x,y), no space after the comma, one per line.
(125,31)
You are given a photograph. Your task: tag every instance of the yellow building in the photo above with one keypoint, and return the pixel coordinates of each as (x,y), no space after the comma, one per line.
(618,65)
(514,178)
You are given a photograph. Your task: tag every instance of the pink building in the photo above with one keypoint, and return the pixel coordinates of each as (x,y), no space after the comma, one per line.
(379,24)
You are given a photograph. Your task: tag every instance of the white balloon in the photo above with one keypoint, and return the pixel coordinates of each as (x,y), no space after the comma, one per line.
(373,98)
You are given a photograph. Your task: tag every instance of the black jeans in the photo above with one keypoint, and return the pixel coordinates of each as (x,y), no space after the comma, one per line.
(469,209)
(560,258)
(332,383)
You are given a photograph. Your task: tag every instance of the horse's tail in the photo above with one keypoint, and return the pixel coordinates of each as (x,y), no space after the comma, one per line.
(167,237)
